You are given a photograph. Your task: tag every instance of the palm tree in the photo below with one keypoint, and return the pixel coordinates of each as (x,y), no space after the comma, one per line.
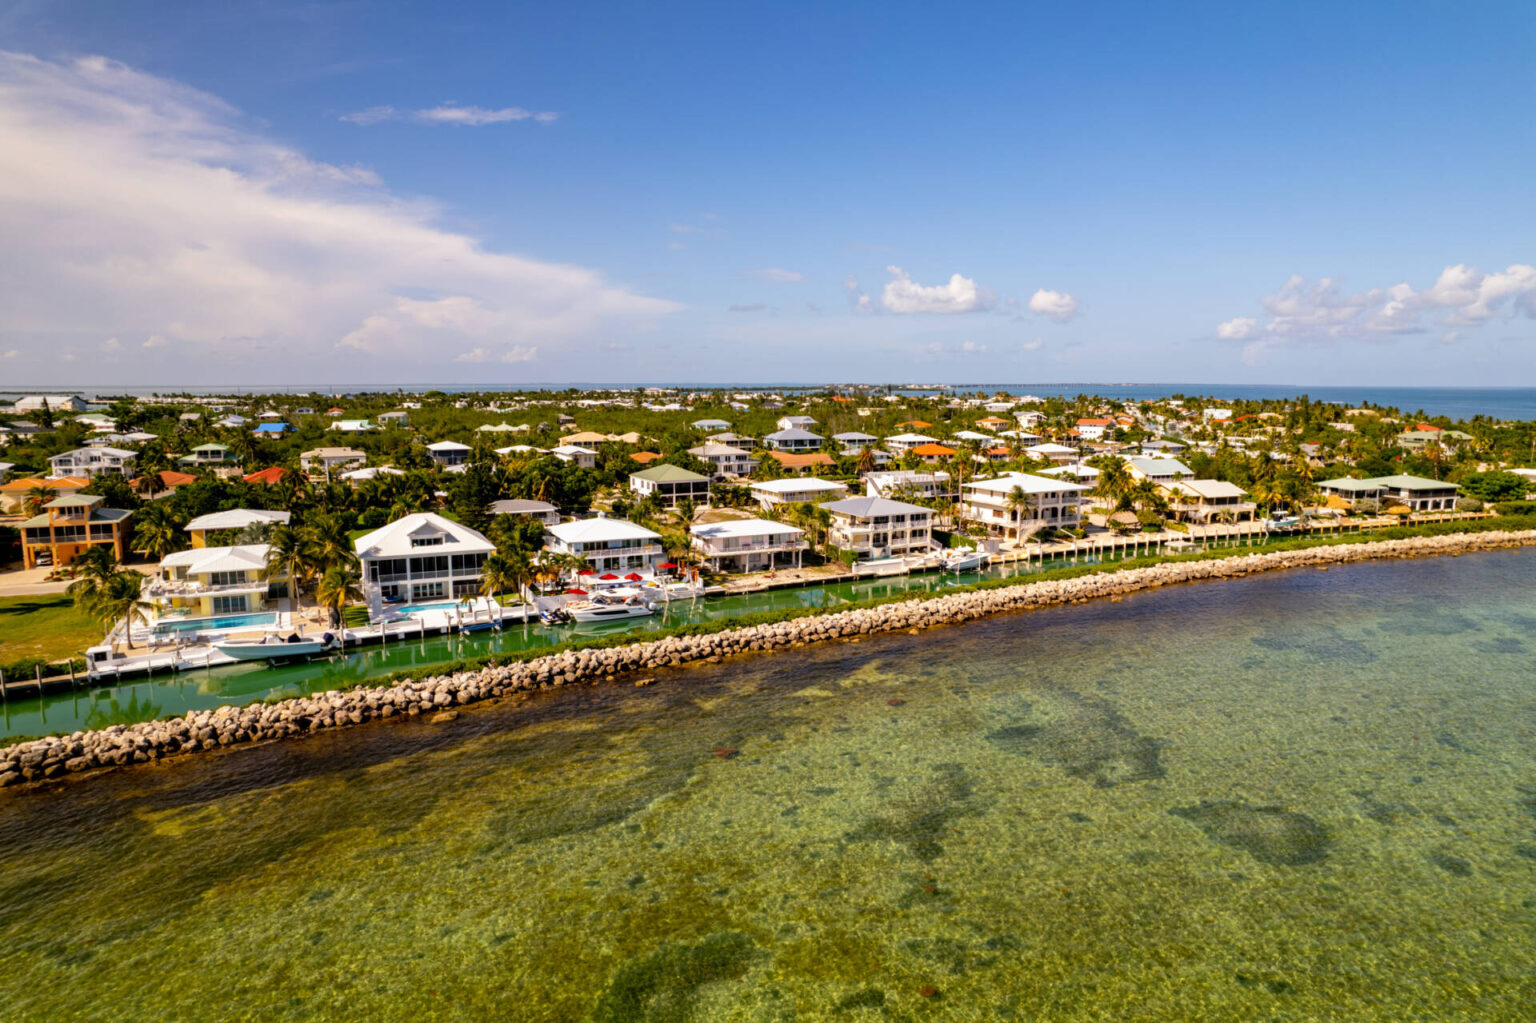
(289,554)
(1021,505)
(495,576)
(157,532)
(93,569)
(866,462)
(329,544)
(38,495)
(120,600)
(338,587)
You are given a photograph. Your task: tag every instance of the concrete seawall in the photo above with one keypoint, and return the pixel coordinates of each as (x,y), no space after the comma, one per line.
(119,745)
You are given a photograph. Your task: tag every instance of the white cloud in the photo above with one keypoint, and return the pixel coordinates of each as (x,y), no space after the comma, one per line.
(1030,346)
(960,295)
(755,307)
(155,341)
(1058,305)
(1321,310)
(449,113)
(10,353)
(971,347)
(136,206)
(111,344)
(776,275)
(517,353)
(1240,328)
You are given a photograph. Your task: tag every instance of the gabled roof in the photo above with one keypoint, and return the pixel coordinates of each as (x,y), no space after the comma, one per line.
(869,507)
(709,449)
(666,473)
(794,433)
(270,475)
(513,506)
(1208,489)
(1160,466)
(598,530)
(933,450)
(447,445)
(250,557)
(1401,482)
(853,435)
(1027,482)
(744,527)
(52,483)
(797,484)
(394,540)
(238,518)
(790,460)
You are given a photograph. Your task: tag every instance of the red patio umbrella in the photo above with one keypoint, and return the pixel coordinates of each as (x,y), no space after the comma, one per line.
(634,577)
(577,593)
(666,564)
(587,571)
(608,576)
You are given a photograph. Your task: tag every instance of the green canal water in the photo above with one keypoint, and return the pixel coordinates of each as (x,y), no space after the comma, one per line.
(199,689)
(1301,796)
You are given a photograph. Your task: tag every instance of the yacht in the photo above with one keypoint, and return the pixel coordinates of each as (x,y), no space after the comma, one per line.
(608,608)
(275,647)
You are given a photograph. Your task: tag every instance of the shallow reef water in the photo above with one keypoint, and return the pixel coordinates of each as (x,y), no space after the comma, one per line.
(1302,796)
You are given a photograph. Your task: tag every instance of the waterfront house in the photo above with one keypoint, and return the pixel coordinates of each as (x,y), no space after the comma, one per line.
(710,425)
(908,483)
(727,461)
(748,545)
(541,511)
(1413,492)
(67,526)
(423,557)
(234,521)
(328,460)
(207,581)
(793,440)
(1209,500)
(1158,470)
(448,453)
(92,462)
(795,490)
(1047,502)
(877,527)
(670,484)
(608,545)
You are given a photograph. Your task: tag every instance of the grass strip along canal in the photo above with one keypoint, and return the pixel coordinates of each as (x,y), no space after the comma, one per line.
(240,685)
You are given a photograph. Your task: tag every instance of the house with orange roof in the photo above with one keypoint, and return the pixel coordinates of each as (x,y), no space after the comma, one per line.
(801,463)
(270,476)
(646,457)
(165,482)
(13,493)
(932,453)
(913,424)
(1093,429)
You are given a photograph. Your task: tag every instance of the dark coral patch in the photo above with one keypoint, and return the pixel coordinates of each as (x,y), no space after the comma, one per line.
(1269,834)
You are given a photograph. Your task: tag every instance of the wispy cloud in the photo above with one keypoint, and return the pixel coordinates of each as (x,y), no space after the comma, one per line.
(136,206)
(450,113)
(755,307)
(1462,296)
(517,353)
(777,275)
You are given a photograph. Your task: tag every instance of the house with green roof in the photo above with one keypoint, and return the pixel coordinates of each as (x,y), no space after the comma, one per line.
(670,484)
(209,454)
(70,524)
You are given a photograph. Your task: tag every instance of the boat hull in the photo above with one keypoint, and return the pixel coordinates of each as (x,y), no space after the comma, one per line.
(272,651)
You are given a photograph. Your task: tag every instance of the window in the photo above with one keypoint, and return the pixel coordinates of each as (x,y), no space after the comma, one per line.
(228,605)
(426,541)
(426,590)
(225,578)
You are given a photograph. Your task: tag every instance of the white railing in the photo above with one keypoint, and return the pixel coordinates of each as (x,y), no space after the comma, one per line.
(720,551)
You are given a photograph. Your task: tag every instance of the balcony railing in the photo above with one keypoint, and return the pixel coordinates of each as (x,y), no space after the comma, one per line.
(720,550)
(192,588)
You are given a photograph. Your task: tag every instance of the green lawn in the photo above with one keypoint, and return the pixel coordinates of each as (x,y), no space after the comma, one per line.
(44,626)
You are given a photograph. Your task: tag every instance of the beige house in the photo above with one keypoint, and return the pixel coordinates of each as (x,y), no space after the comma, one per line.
(331,460)
(1209,501)
(1017,504)
(876,527)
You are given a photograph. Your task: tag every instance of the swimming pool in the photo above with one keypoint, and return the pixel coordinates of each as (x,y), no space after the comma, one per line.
(224,623)
(440,605)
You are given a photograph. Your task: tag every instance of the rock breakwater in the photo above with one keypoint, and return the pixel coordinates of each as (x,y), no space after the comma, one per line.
(120,745)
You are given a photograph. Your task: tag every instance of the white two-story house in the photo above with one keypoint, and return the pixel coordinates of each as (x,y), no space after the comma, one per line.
(748,545)
(1017,504)
(797,490)
(727,461)
(92,462)
(423,557)
(608,545)
(876,527)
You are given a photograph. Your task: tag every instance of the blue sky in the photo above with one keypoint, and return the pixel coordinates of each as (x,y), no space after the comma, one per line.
(384,193)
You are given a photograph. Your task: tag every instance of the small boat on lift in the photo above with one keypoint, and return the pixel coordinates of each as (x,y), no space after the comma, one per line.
(965,559)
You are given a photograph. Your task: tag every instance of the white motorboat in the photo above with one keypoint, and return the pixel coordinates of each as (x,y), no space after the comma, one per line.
(882,567)
(672,591)
(965,559)
(274,647)
(607,609)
